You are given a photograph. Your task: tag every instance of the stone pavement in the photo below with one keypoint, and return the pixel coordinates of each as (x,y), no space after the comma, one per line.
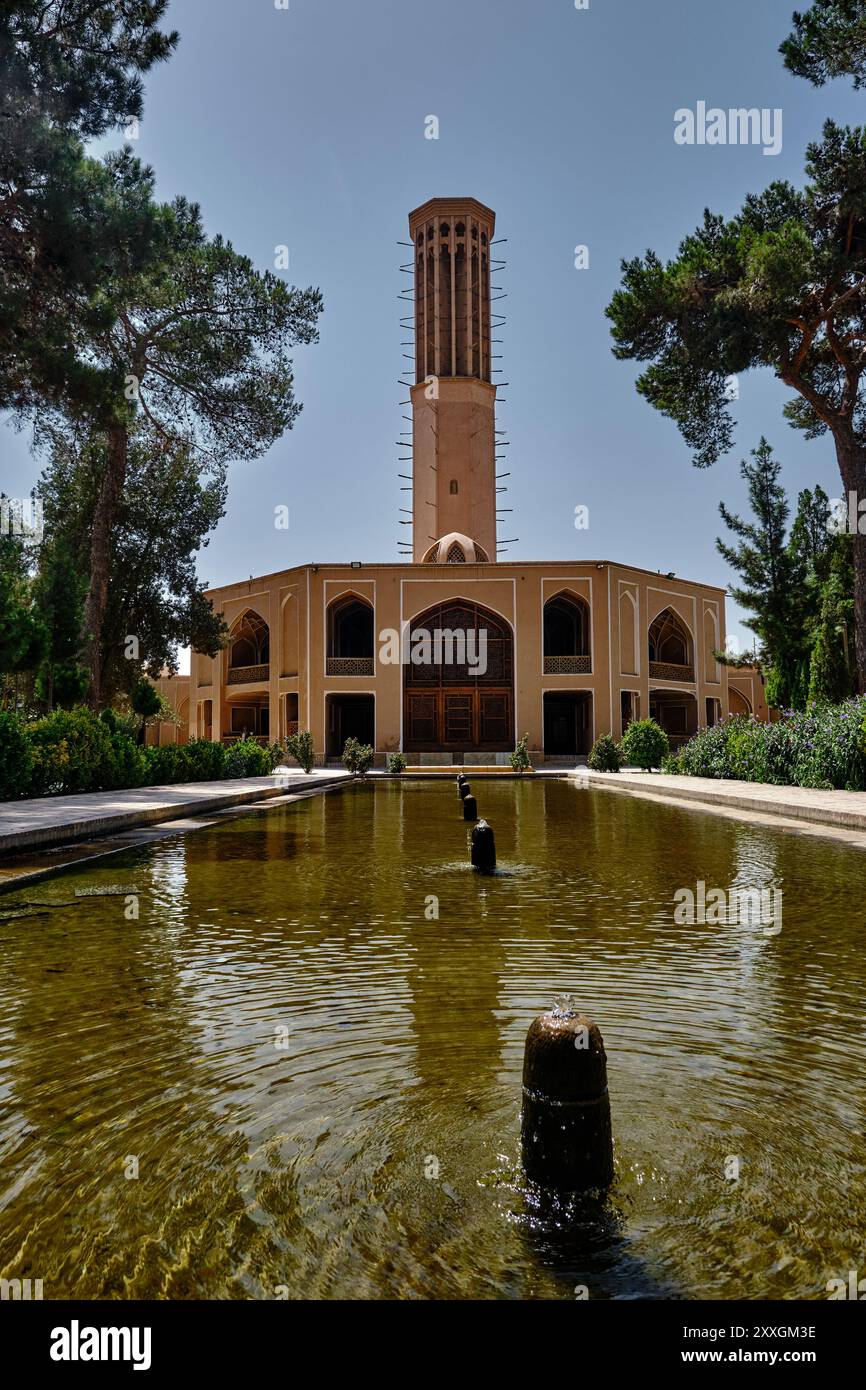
(844,810)
(54,820)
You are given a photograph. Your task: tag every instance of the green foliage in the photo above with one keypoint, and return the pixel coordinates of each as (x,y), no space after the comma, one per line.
(81,59)
(196,761)
(831,675)
(166,764)
(22,635)
(798,589)
(128,289)
(396,763)
(205,761)
(69,71)
(828,40)
(145,700)
(769,590)
(706,755)
(300,746)
(74,751)
(605,755)
(357,757)
(246,758)
(58,595)
(16,758)
(645,744)
(781,285)
(824,746)
(520,759)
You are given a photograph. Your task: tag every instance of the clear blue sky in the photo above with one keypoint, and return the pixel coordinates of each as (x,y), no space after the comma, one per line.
(306,127)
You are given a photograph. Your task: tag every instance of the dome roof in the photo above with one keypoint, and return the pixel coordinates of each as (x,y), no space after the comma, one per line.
(456,549)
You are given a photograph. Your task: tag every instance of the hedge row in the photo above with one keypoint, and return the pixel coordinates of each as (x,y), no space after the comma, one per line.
(75,751)
(823,747)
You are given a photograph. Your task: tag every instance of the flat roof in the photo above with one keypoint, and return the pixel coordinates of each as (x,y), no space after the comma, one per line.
(495,565)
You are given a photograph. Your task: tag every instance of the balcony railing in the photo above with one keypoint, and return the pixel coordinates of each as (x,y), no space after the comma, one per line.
(567,665)
(291,728)
(244,675)
(350,666)
(669,671)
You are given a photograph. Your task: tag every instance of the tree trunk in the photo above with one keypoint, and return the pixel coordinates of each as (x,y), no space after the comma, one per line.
(110,490)
(852,466)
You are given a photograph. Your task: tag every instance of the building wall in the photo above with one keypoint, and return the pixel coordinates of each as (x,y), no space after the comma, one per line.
(175,691)
(623,602)
(748,683)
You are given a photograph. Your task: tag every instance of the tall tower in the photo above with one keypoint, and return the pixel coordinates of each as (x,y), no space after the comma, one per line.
(453,399)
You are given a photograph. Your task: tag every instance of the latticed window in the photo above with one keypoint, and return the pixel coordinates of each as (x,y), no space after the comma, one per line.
(455,555)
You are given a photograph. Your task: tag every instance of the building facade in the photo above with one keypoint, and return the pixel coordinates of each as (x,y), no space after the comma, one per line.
(455,653)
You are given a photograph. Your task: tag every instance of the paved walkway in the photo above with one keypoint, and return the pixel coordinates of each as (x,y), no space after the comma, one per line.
(55,820)
(846,810)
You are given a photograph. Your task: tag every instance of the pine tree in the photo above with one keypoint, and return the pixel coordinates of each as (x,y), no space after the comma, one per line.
(768,570)
(781,285)
(58,595)
(69,70)
(828,40)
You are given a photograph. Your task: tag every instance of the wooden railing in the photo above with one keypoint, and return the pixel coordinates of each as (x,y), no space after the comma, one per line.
(669,671)
(350,666)
(244,675)
(567,665)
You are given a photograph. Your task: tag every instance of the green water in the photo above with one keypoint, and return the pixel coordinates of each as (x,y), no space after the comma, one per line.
(286,1042)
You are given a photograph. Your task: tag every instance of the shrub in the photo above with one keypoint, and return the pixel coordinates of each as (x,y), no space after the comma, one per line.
(300,746)
(645,744)
(822,747)
(16,758)
(74,751)
(519,759)
(829,749)
(203,760)
(605,756)
(247,758)
(165,765)
(396,763)
(357,757)
(130,764)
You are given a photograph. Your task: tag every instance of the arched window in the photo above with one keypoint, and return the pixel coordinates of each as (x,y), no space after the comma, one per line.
(455,555)
(350,637)
(452,487)
(670,642)
(566,635)
(249,644)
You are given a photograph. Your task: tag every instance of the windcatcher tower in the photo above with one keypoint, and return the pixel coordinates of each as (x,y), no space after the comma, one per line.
(453,399)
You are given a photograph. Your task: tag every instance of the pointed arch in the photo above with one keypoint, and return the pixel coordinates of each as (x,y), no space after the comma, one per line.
(249,645)
(670,647)
(629,644)
(458,680)
(567,634)
(350,625)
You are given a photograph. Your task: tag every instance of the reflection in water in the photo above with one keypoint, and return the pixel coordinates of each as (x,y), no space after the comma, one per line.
(309,1042)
